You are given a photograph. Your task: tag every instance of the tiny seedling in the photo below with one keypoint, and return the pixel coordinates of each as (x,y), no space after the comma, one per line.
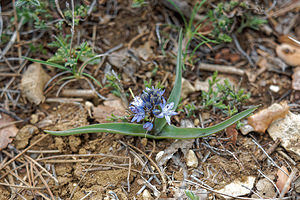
(191,29)
(191,195)
(114,82)
(34,12)
(223,96)
(138,3)
(224,23)
(190,109)
(157,124)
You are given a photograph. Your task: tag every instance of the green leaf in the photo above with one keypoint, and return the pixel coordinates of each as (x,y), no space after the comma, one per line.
(47,63)
(174,97)
(168,132)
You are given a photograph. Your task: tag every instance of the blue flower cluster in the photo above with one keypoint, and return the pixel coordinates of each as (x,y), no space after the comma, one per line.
(148,104)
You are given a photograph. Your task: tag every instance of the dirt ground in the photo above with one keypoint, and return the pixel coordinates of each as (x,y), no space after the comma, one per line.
(110,166)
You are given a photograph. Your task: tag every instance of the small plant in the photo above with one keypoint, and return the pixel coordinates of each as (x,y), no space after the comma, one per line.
(155,112)
(223,21)
(67,59)
(223,96)
(190,109)
(191,195)
(114,82)
(115,118)
(138,3)
(148,84)
(191,28)
(79,13)
(34,11)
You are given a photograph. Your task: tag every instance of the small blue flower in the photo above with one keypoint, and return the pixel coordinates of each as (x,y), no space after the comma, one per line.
(152,97)
(139,115)
(148,126)
(167,111)
(137,107)
(138,102)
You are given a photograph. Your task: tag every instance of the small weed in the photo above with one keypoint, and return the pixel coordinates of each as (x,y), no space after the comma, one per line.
(79,13)
(114,118)
(148,84)
(190,109)
(223,96)
(113,81)
(68,56)
(34,11)
(224,19)
(191,28)
(138,3)
(191,195)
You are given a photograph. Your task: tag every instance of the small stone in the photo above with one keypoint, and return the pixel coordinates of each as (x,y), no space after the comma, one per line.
(140,182)
(246,129)
(274,88)
(196,122)
(159,156)
(191,159)
(187,88)
(34,119)
(265,189)
(33,82)
(238,187)
(201,85)
(147,195)
(287,130)
(296,79)
(186,123)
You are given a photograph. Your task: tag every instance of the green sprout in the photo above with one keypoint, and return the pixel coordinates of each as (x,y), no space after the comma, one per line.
(191,195)
(223,96)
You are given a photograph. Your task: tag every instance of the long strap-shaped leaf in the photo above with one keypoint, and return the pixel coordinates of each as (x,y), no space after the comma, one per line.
(47,63)
(168,132)
(174,97)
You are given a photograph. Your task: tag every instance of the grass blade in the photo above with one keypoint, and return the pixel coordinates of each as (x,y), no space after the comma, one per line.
(169,132)
(47,63)
(191,133)
(176,91)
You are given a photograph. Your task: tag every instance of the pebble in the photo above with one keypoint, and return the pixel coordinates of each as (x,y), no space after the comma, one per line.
(34,119)
(246,129)
(196,122)
(147,195)
(238,188)
(287,130)
(159,156)
(274,88)
(265,189)
(191,159)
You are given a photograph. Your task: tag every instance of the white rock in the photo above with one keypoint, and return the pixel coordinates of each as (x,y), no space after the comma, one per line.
(201,85)
(236,188)
(147,195)
(246,129)
(274,88)
(187,88)
(265,189)
(191,159)
(186,123)
(159,156)
(287,130)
